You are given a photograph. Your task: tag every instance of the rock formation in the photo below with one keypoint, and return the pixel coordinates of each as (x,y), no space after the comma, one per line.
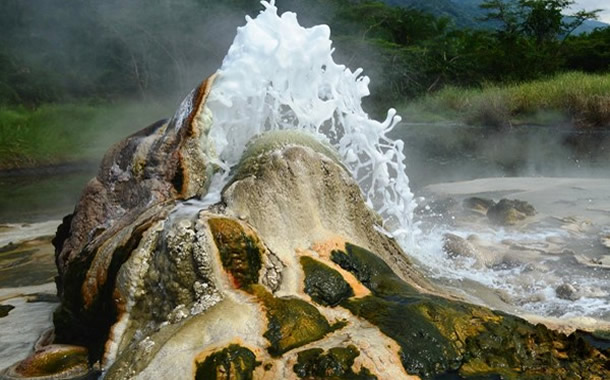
(289,276)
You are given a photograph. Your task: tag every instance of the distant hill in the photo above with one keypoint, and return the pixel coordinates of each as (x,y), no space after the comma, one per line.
(466,13)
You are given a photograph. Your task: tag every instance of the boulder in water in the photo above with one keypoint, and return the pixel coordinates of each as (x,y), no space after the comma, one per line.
(478,205)
(510,212)
(567,292)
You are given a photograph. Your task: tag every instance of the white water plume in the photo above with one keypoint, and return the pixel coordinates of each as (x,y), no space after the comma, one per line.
(280,75)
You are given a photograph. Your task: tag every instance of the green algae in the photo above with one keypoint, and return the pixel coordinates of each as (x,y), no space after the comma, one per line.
(240,252)
(372,271)
(54,362)
(423,349)
(336,364)
(519,350)
(253,158)
(439,338)
(323,284)
(602,335)
(233,362)
(292,322)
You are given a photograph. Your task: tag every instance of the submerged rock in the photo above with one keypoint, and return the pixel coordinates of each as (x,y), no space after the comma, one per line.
(456,246)
(289,276)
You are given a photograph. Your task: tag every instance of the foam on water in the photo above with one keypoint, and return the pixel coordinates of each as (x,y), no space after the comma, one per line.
(531,288)
(280,75)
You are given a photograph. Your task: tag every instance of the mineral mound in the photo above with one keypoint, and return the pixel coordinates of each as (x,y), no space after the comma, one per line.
(290,275)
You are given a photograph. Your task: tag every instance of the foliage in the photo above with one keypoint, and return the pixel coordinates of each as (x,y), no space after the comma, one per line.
(62,51)
(93,55)
(575,97)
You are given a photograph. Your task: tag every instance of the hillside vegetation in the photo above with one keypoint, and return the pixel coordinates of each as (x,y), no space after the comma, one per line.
(468,13)
(576,98)
(63,64)
(67,133)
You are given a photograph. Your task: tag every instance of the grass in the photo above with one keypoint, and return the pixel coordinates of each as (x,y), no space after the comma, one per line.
(64,133)
(578,98)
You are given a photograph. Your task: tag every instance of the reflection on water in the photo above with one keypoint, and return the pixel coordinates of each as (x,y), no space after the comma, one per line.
(27,263)
(40,195)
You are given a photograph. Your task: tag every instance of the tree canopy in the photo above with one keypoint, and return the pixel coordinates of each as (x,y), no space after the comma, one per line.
(56,50)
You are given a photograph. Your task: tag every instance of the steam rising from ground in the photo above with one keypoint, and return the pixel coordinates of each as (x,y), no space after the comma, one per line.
(278,75)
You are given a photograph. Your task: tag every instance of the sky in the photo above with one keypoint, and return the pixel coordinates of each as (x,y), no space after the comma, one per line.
(604,15)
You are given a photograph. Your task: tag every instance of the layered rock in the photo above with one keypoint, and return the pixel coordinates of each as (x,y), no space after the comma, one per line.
(291,275)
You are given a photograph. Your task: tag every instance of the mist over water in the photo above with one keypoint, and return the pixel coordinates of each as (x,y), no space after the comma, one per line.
(453,152)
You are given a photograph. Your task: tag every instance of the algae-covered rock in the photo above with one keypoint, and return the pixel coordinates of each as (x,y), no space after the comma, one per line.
(324,285)
(292,322)
(336,363)
(438,336)
(240,253)
(290,275)
(231,363)
(53,362)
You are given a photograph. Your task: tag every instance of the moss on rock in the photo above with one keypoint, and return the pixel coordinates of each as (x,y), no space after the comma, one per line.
(335,364)
(441,337)
(233,362)
(240,252)
(372,271)
(323,284)
(292,322)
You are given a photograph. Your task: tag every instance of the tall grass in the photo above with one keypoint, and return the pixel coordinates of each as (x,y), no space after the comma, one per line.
(583,99)
(61,133)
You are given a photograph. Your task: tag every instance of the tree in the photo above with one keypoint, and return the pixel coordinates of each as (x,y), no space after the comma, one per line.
(503,12)
(542,20)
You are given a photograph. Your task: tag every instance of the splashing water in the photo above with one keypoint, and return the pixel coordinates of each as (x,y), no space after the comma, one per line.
(279,75)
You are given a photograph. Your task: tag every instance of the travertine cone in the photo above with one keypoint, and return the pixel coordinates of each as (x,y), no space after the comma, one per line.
(163,162)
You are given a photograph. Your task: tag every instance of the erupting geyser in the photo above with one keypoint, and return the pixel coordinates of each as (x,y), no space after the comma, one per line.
(278,75)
